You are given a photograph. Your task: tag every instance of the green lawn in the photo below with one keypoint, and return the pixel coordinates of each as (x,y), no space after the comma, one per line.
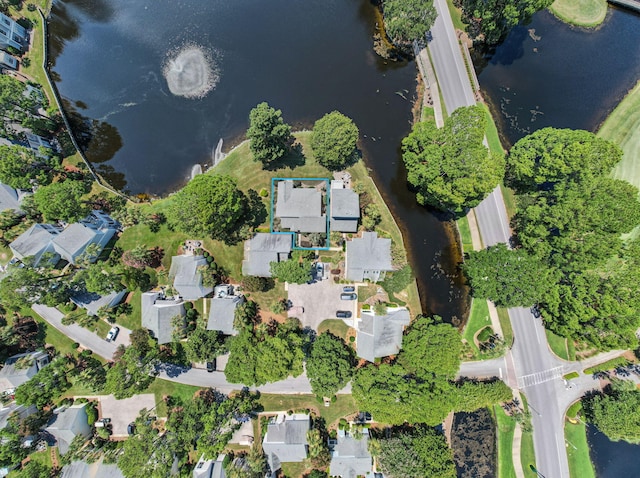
(456,16)
(505,323)
(608,365)
(491,131)
(582,13)
(505,429)
(294,470)
(580,465)
(60,342)
(345,405)
(336,326)
(509,200)
(465,234)
(527,452)
(561,346)
(161,388)
(623,128)
(478,319)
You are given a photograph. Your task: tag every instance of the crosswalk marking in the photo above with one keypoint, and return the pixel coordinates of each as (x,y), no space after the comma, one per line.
(539,377)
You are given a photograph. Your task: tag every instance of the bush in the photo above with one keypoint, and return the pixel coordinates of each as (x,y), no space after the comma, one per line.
(188,305)
(92,414)
(75,345)
(31,7)
(264,193)
(352,339)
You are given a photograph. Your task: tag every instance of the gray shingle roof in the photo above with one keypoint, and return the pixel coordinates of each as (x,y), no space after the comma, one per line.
(7,410)
(187,280)
(15,373)
(261,250)
(380,336)
(345,204)
(35,241)
(222,313)
(297,202)
(9,198)
(82,469)
(72,242)
(304,224)
(210,468)
(158,313)
(92,302)
(368,253)
(286,439)
(67,424)
(351,457)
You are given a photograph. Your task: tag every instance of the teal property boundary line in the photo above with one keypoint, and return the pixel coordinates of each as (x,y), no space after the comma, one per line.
(293,234)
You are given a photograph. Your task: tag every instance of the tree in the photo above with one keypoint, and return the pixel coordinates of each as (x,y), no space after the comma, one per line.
(450,167)
(147,453)
(139,339)
(45,386)
(334,140)
(330,365)
(25,284)
(139,257)
(256,284)
(292,271)
(491,20)
(11,450)
(99,279)
(415,454)
(616,414)
(269,136)
(431,347)
(407,20)
(33,469)
(209,205)
(203,345)
(510,278)
(550,156)
(20,167)
(89,372)
(131,373)
(62,201)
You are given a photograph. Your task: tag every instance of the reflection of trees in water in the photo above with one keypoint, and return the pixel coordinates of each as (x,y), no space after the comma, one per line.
(473,441)
(114,178)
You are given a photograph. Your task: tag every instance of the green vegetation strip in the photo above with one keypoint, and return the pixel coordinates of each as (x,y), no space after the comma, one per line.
(580,465)
(558,345)
(478,319)
(581,13)
(571,376)
(608,365)
(465,234)
(505,323)
(527,453)
(505,429)
(491,131)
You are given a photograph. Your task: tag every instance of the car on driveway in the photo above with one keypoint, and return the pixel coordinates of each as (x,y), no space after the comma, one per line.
(212,365)
(535,311)
(352,296)
(131,428)
(343,314)
(319,270)
(348,288)
(113,333)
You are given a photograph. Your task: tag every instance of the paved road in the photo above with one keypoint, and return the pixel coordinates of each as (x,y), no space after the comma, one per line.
(491,215)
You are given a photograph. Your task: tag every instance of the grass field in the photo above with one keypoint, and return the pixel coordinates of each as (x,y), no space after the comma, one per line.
(336,326)
(465,234)
(456,16)
(580,465)
(161,388)
(582,13)
(343,406)
(527,452)
(505,323)
(623,128)
(505,429)
(560,346)
(478,319)
(491,131)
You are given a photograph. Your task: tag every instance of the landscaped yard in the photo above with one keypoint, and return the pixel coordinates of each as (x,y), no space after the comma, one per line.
(560,346)
(343,406)
(583,13)
(527,453)
(336,326)
(162,388)
(580,465)
(478,319)
(505,429)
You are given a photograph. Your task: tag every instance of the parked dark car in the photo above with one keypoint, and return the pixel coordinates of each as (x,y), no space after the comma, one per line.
(131,428)
(212,365)
(535,311)
(343,314)
(351,296)
(348,288)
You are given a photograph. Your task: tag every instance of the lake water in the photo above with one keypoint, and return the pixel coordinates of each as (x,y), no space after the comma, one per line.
(306,58)
(549,74)
(613,459)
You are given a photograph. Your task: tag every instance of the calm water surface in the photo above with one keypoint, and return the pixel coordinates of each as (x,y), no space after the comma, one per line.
(306,58)
(613,459)
(549,74)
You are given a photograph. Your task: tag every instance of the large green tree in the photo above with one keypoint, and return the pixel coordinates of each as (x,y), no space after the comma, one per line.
(292,271)
(20,168)
(147,452)
(100,279)
(62,201)
(269,136)
(45,386)
(407,20)
(209,205)
(616,414)
(421,452)
(450,167)
(334,140)
(203,345)
(330,365)
(132,372)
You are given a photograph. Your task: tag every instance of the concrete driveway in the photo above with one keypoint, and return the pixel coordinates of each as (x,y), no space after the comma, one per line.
(123,412)
(320,300)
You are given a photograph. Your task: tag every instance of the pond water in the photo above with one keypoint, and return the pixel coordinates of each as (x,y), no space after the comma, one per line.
(151,87)
(612,459)
(549,74)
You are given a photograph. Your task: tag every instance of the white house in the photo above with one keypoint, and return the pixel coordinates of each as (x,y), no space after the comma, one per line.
(11,34)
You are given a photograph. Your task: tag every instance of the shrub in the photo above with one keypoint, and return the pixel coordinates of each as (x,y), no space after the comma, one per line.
(264,193)
(75,345)
(352,339)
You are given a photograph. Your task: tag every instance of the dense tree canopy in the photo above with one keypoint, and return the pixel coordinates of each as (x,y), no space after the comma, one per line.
(407,20)
(209,205)
(147,452)
(20,167)
(292,271)
(61,201)
(99,278)
(491,20)
(203,345)
(132,372)
(269,136)
(330,365)
(45,386)
(450,167)
(616,414)
(16,106)
(420,453)
(334,140)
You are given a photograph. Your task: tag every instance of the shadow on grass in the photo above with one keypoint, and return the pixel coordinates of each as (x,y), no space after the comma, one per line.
(294,159)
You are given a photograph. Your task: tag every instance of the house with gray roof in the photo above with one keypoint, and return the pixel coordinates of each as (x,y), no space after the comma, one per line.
(286,439)
(8,61)
(20,369)
(93,302)
(299,209)
(381,335)
(210,468)
(222,309)
(97,469)
(187,279)
(36,241)
(368,258)
(13,409)
(12,34)
(350,457)
(158,313)
(67,423)
(263,249)
(345,208)
(97,228)
(11,199)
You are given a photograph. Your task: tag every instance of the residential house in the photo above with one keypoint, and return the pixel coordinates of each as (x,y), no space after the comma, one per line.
(223,309)
(381,335)
(158,313)
(67,423)
(36,142)
(11,198)
(345,208)
(300,209)
(97,469)
(263,249)
(368,258)
(210,468)
(8,61)
(20,369)
(13,409)
(97,228)
(36,241)
(286,439)
(93,302)
(187,279)
(11,33)
(350,457)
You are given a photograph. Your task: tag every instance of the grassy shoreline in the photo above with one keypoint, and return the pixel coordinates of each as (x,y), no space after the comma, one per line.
(580,13)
